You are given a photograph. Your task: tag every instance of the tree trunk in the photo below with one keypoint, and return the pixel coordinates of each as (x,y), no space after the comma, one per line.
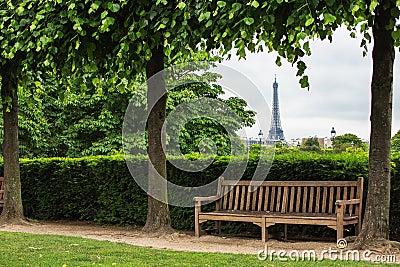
(158,218)
(12,210)
(376,219)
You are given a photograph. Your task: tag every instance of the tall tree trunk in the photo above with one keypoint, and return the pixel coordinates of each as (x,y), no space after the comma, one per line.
(376,219)
(12,210)
(158,218)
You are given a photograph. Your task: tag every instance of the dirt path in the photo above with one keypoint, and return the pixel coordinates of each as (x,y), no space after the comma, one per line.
(177,241)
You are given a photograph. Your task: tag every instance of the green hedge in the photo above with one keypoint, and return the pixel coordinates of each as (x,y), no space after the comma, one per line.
(101,189)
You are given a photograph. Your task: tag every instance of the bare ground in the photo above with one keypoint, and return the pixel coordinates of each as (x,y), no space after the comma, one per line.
(180,241)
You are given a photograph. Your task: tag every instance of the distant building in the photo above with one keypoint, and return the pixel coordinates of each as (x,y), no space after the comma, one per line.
(324,142)
(275,133)
(295,142)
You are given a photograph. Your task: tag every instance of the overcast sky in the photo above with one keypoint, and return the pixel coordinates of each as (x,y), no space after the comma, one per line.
(339,94)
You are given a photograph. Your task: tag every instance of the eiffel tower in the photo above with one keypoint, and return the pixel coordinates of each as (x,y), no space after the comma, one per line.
(275,133)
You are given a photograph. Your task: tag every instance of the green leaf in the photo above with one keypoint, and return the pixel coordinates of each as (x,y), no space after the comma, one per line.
(236,6)
(309,21)
(20,10)
(278,61)
(181,5)
(255,4)
(104,14)
(304,82)
(162,26)
(289,21)
(301,35)
(209,23)
(113,7)
(204,16)
(94,6)
(396,35)
(329,18)
(106,23)
(95,81)
(221,4)
(373,5)
(248,21)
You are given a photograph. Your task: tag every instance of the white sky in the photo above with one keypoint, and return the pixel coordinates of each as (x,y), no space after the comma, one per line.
(339,94)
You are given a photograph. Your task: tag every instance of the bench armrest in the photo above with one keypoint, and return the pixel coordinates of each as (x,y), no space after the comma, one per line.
(200,199)
(348,202)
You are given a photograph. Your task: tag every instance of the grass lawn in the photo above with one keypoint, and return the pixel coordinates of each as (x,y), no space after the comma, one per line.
(19,249)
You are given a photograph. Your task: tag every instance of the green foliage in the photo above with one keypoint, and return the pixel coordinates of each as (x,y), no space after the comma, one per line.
(395,143)
(193,135)
(348,141)
(75,123)
(311,144)
(75,120)
(101,188)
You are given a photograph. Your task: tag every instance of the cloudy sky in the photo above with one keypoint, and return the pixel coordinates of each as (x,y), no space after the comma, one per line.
(339,94)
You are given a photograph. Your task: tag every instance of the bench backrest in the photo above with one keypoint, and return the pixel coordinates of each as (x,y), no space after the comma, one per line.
(288,196)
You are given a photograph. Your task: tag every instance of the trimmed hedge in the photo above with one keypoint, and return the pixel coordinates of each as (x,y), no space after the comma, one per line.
(101,189)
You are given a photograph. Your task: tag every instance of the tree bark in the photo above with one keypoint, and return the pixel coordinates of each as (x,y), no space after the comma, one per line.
(376,218)
(12,210)
(158,218)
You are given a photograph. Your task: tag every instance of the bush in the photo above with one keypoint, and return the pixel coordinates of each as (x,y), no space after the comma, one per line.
(101,189)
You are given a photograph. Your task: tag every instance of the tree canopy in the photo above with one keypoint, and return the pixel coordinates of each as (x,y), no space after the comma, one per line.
(348,140)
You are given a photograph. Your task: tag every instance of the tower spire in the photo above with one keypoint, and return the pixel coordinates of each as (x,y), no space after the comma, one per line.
(275,133)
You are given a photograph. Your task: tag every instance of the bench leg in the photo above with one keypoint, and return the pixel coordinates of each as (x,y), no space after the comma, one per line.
(339,221)
(197,229)
(264,231)
(285,232)
(196,221)
(339,231)
(218,227)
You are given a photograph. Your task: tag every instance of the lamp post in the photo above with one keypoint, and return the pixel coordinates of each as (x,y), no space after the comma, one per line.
(260,134)
(333,134)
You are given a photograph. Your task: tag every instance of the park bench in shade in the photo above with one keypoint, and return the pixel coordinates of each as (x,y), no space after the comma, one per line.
(331,203)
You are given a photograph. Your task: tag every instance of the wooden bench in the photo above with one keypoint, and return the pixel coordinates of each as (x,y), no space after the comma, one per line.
(331,203)
(1,191)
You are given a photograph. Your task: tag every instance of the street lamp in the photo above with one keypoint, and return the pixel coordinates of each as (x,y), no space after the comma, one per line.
(333,134)
(260,134)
